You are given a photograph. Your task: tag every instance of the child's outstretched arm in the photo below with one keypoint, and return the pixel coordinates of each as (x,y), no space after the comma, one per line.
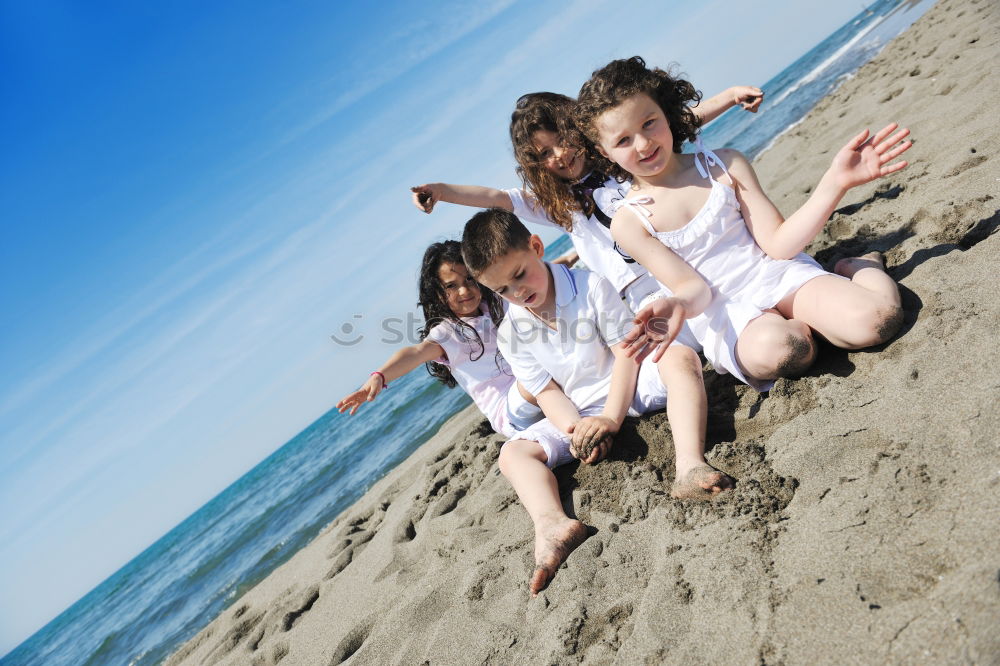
(860,161)
(400,363)
(749,97)
(425,196)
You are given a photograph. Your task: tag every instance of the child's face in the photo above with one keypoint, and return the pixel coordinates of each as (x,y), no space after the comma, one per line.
(636,135)
(460,290)
(520,276)
(562,161)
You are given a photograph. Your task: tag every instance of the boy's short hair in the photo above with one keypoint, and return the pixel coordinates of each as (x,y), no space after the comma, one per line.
(489,235)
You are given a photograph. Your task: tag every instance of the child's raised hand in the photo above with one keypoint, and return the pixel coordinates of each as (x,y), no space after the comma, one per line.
(591,438)
(748,97)
(366,393)
(656,326)
(424,197)
(862,161)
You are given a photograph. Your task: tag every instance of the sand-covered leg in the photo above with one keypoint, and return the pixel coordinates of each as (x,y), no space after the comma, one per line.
(555,539)
(700,482)
(556,534)
(687,411)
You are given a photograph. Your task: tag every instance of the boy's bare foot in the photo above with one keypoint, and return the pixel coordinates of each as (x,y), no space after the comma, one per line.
(701,482)
(553,545)
(851,265)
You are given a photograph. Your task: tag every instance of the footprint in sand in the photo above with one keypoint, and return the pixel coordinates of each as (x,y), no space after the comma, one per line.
(351,643)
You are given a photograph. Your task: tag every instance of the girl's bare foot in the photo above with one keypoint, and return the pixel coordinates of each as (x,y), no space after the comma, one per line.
(851,265)
(700,482)
(553,544)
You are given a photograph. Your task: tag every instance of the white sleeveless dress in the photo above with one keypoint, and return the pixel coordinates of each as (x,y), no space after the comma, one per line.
(744,280)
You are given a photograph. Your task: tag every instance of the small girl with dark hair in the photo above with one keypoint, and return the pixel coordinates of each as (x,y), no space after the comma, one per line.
(458,345)
(567,185)
(734,265)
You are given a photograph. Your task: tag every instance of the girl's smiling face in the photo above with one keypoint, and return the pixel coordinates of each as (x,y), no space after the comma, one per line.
(636,135)
(460,290)
(561,160)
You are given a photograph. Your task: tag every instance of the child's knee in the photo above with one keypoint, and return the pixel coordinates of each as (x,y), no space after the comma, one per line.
(874,326)
(508,456)
(779,351)
(680,358)
(798,354)
(516,452)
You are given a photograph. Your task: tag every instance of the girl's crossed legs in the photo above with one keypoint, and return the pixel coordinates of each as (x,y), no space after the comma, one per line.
(859,312)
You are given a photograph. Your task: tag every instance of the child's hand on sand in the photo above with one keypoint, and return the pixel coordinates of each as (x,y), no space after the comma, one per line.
(366,393)
(656,326)
(862,161)
(424,197)
(748,97)
(592,437)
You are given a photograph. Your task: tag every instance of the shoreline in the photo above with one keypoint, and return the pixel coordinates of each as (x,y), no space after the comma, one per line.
(855,532)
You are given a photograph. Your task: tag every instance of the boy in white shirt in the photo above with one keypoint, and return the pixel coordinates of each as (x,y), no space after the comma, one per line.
(564,337)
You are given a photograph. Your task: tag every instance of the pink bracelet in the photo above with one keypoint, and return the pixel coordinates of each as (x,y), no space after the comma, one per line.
(385,384)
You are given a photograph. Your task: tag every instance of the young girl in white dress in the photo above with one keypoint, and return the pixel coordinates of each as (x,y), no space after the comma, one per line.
(458,346)
(565,185)
(704,228)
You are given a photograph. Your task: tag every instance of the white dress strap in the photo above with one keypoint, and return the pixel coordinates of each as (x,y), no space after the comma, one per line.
(635,205)
(710,159)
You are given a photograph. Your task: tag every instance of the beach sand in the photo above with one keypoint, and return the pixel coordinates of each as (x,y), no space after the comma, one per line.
(864,525)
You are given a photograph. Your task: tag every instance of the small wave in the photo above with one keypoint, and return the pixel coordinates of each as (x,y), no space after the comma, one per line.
(105,650)
(815,72)
(778,136)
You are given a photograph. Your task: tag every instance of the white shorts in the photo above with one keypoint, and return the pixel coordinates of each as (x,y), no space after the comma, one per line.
(519,413)
(650,395)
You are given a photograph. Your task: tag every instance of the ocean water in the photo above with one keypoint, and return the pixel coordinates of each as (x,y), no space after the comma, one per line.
(160,599)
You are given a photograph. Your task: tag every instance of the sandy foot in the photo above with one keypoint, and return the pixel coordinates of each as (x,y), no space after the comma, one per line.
(552,546)
(701,482)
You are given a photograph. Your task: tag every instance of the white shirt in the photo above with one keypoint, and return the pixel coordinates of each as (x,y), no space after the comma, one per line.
(592,240)
(591,318)
(475,370)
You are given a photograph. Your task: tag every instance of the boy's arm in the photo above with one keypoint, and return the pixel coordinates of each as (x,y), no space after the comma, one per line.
(557,407)
(425,196)
(748,97)
(592,435)
(857,163)
(400,363)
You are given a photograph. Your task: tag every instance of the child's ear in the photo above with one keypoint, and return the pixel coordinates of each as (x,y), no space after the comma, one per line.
(537,246)
(600,149)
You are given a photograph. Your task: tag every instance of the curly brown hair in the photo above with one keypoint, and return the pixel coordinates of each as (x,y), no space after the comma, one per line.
(434,304)
(550,112)
(610,85)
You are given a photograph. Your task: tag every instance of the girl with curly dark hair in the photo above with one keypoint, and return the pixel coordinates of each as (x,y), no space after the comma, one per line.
(567,184)
(458,344)
(734,265)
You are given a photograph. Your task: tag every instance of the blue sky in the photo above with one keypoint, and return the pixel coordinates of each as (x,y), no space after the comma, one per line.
(195,197)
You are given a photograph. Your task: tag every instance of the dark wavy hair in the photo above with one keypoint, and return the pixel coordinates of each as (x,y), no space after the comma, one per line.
(549,112)
(434,305)
(610,85)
